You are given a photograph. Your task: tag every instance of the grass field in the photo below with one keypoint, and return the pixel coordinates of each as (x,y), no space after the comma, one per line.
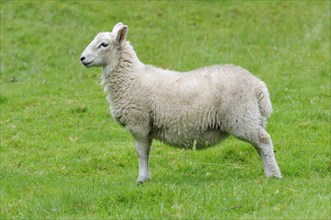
(62,156)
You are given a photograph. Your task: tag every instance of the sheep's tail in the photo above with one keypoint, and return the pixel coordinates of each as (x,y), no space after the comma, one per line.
(264,102)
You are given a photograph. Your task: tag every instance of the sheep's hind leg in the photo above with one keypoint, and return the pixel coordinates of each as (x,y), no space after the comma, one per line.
(263,145)
(262,142)
(143,150)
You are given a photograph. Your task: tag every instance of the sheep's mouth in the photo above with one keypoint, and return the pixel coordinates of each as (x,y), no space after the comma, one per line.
(87,63)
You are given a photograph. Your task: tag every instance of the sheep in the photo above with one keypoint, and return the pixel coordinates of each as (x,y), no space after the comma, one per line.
(195,109)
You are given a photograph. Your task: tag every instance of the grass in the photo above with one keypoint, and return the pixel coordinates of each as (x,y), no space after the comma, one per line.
(63,157)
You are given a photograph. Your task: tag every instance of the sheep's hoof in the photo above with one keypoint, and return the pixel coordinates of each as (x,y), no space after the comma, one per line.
(275,176)
(141,181)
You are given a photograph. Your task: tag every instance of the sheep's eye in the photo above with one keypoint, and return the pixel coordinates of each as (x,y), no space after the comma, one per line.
(103,45)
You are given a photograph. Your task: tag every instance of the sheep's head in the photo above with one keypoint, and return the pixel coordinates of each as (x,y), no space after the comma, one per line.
(104,48)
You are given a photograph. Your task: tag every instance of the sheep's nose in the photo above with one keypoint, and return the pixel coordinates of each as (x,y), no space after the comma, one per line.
(82,58)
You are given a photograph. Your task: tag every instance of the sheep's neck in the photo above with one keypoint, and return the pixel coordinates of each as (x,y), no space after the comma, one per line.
(119,77)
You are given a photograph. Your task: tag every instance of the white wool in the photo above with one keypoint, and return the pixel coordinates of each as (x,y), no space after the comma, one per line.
(193,109)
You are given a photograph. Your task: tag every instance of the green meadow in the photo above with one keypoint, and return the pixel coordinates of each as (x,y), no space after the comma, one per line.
(62,155)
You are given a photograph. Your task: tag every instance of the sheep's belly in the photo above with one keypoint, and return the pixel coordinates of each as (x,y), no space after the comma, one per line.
(191,139)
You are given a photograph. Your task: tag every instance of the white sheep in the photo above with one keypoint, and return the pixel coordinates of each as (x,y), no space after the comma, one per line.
(193,109)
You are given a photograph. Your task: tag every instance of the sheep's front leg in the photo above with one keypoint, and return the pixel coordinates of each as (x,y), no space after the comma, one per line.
(143,150)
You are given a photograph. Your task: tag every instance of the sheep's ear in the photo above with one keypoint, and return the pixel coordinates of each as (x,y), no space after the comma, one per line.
(121,34)
(117,26)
